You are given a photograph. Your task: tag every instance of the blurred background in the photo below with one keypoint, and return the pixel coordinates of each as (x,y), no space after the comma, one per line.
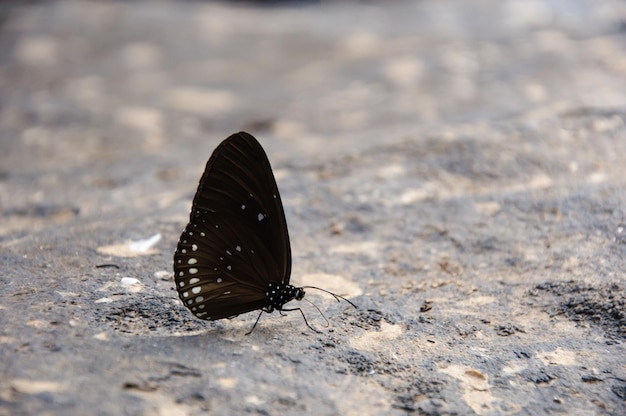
(86,85)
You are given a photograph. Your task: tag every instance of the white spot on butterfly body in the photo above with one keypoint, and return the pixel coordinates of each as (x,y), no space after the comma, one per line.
(260,217)
(196,290)
(238,248)
(192,261)
(193,280)
(193,271)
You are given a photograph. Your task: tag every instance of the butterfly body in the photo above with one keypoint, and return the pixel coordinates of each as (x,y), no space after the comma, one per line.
(278,294)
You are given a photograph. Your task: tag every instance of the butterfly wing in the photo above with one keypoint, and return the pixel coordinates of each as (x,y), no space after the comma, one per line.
(236,241)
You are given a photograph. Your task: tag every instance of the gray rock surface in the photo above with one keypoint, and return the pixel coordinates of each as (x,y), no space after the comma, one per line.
(456,168)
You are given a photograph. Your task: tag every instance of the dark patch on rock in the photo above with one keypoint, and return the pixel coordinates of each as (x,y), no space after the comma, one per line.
(508,329)
(620,391)
(602,305)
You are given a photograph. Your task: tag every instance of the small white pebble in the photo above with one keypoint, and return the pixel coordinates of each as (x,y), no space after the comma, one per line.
(162,274)
(127,281)
(144,245)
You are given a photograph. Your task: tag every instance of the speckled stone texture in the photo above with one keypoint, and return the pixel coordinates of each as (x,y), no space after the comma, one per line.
(455,168)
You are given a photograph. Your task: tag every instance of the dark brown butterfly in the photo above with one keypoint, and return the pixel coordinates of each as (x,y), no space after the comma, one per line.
(234,255)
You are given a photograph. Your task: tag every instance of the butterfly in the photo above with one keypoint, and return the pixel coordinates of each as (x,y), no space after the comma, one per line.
(234,255)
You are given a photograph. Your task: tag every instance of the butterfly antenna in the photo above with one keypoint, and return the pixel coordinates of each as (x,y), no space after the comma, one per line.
(338,297)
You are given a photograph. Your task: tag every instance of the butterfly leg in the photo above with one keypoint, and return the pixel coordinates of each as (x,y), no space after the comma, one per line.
(256,322)
(303,317)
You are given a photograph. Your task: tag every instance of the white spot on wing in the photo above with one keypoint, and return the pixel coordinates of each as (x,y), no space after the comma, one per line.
(192,261)
(196,290)
(193,280)
(229,267)
(193,271)
(219,280)
(194,247)
(243,206)
(261,217)
(199,299)
(238,248)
